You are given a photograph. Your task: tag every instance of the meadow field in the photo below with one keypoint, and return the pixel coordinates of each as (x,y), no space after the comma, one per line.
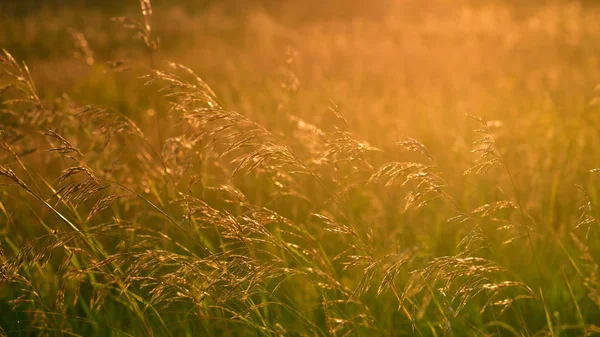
(299,168)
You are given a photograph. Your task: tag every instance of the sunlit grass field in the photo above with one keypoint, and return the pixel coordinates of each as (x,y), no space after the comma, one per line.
(300,168)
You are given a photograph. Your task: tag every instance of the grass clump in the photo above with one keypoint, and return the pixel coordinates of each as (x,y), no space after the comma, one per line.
(340,177)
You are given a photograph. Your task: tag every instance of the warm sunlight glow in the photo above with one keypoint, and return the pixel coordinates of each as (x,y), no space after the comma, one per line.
(299,168)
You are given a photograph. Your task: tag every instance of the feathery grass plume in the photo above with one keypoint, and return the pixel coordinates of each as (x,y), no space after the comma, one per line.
(21,81)
(341,146)
(77,191)
(64,147)
(334,226)
(185,94)
(21,109)
(271,156)
(336,111)
(488,209)
(587,217)
(343,161)
(395,264)
(505,224)
(82,48)
(113,132)
(249,232)
(251,146)
(177,278)
(389,173)
(309,138)
(462,277)
(488,154)
(37,252)
(142,30)
(492,155)
(414,145)
(592,281)
(21,273)
(424,180)
(8,173)
(102,204)
(358,254)
(338,325)
(290,81)
(110,122)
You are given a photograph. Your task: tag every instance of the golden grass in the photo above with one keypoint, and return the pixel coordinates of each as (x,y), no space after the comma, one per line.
(395,170)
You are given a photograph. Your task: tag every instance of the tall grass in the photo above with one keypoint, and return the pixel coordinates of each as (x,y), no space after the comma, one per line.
(347,184)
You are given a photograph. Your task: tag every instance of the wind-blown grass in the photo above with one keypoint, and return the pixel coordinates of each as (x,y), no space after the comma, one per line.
(337,196)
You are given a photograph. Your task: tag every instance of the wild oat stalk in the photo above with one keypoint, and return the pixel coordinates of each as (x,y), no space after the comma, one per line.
(142,30)
(492,155)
